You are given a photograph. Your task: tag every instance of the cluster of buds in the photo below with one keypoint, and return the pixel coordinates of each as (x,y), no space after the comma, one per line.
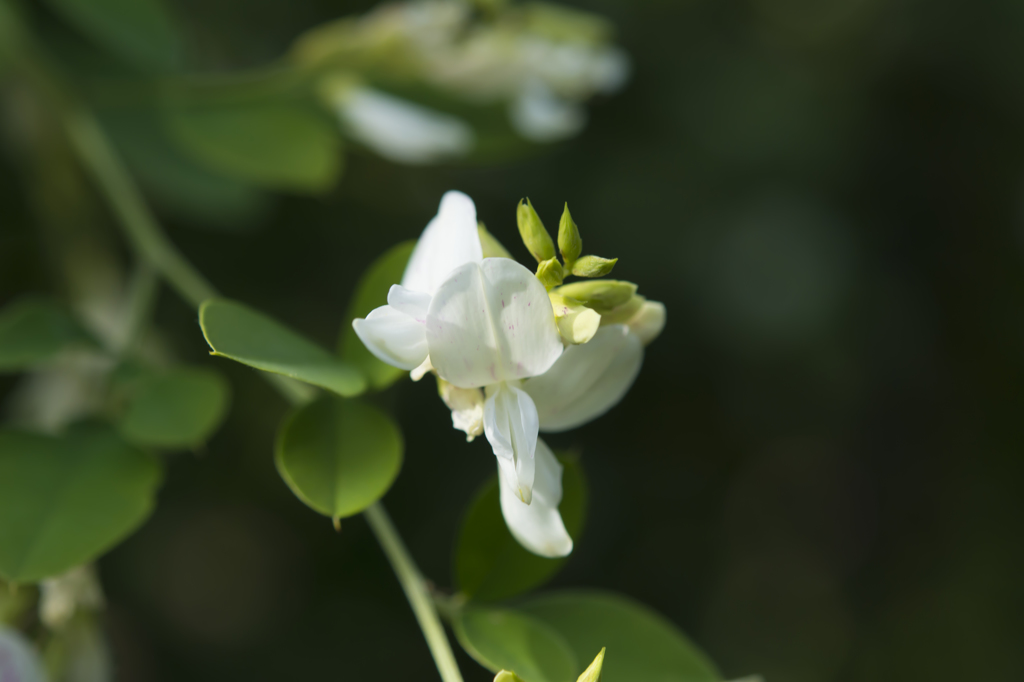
(514,352)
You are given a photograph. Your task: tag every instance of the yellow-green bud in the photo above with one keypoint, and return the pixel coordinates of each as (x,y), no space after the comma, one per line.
(492,248)
(576,323)
(593,266)
(569,241)
(507,676)
(532,230)
(550,273)
(624,313)
(649,321)
(603,295)
(593,671)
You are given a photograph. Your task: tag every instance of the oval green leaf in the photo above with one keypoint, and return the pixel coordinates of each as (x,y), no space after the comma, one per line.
(372,292)
(339,456)
(142,32)
(642,645)
(238,332)
(504,639)
(180,408)
(34,330)
(490,564)
(65,501)
(278,144)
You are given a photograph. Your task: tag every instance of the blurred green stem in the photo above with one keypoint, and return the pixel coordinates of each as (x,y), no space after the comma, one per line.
(152,245)
(415,591)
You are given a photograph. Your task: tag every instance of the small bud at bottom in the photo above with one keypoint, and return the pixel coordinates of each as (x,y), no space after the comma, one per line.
(576,323)
(550,273)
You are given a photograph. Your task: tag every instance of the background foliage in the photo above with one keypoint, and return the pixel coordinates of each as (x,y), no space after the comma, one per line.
(816,475)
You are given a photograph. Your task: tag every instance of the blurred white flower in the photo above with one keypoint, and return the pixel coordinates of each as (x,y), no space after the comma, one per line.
(540,116)
(19,660)
(64,595)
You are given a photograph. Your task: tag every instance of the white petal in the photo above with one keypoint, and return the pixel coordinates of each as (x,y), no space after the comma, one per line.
(400,130)
(490,323)
(413,303)
(19,660)
(588,380)
(511,427)
(393,336)
(648,321)
(450,239)
(537,526)
(541,116)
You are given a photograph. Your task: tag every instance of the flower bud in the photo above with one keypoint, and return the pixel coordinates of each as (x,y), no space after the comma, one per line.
(624,313)
(507,676)
(532,230)
(550,273)
(576,323)
(593,266)
(649,321)
(492,248)
(570,244)
(467,406)
(593,671)
(603,295)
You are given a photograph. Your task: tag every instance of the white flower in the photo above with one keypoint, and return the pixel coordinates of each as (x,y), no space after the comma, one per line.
(400,130)
(64,595)
(19,661)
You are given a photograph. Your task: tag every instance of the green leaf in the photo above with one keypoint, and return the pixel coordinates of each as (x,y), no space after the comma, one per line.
(505,639)
(65,501)
(490,564)
(339,456)
(34,330)
(238,332)
(142,32)
(180,408)
(284,145)
(372,292)
(642,645)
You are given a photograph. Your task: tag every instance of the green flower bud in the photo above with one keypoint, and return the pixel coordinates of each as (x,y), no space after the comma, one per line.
(550,273)
(593,266)
(603,295)
(569,241)
(624,313)
(491,246)
(507,676)
(576,323)
(532,230)
(593,671)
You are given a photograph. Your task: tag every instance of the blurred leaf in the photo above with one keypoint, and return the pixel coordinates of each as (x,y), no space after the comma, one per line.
(180,408)
(65,501)
(642,645)
(284,145)
(504,639)
(238,332)
(490,564)
(34,330)
(142,32)
(372,292)
(177,183)
(339,456)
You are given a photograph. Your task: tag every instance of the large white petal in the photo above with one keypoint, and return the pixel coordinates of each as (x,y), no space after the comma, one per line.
(511,427)
(415,304)
(449,240)
(588,380)
(394,337)
(537,526)
(490,323)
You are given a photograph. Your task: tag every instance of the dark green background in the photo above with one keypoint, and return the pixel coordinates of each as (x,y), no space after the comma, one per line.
(817,474)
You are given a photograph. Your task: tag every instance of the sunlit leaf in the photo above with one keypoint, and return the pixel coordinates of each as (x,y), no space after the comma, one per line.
(372,292)
(505,639)
(642,645)
(178,408)
(490,564)
(66,500)
(142,32)
(277,144)
(252,338)
(339,456)
(34,330)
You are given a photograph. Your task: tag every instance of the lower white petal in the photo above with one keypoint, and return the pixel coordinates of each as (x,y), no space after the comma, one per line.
(537,526)
(413,303)
(393,337)
(587,380)
(511,426)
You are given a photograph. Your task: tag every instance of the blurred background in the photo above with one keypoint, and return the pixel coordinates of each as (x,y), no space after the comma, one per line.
(817,475)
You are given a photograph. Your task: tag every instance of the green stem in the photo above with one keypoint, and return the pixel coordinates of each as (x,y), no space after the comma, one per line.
(415,591)
(142,299)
